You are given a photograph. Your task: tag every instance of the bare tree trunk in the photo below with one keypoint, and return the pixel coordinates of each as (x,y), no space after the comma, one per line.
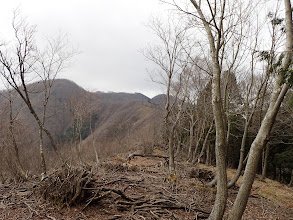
(41,125)
(220,148)
(220,143)
(204,146)
(77,147)
(16,151)
(248,120)
(78,152)
(171,135)
(94,142)
(43,163)
(266,153)
(254,154)
(199,138)
(194,154)
(179,144)
(241,159)
(263,134)
(208,155)
(191,137)
(96,152)
(171,152)
(228,122)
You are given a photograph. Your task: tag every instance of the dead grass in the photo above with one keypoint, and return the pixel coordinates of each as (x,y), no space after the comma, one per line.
(276,192)
(146,192)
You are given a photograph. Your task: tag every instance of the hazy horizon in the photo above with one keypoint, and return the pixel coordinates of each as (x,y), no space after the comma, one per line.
(108,34)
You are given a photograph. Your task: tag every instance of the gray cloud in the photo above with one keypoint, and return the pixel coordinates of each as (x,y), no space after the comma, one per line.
(109,34)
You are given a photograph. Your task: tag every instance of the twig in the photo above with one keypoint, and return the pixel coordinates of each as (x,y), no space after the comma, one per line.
(30,208)
(115,217)
(156,216)
(119,192)
(50,217)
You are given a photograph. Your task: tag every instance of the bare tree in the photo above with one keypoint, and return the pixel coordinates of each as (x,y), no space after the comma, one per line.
(197,110)
(282,84)
(12,119)
(220,21)
(9,97)
(257,97)
(90,112)
(170,56)
(22,61)
(216,42)
(82,107)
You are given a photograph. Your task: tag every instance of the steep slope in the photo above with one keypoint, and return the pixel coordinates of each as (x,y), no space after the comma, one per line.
(119,118)
(58,114)
(117,114)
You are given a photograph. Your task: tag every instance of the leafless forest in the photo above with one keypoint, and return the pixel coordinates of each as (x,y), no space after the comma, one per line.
(217,144)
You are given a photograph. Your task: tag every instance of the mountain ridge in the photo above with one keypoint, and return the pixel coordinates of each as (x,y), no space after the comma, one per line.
(114,111)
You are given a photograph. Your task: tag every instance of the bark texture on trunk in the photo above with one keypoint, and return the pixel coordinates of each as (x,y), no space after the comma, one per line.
(220,143)
(266,153)
(262,137)
(241,159)
(191,137)
(15,145)
(43,162)
(204,145)
(171,154)
(220,149)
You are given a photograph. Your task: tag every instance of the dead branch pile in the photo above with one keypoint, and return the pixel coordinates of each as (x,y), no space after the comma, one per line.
(65,185)
(133,195)
(131,156)
(120,195)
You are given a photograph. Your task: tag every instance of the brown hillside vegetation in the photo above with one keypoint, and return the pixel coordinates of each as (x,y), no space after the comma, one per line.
(120,118)
(58,113)
(123,121)
(130,110)
(138,188)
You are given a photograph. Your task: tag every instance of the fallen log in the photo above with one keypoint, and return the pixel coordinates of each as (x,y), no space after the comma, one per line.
(131,156)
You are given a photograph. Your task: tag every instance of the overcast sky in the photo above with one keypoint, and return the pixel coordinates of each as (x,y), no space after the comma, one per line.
(109,34)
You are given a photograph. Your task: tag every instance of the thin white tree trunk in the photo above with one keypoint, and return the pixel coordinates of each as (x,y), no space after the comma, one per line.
(204,146)
(171,153)
(94,143)
(263,134)
(220,143)
(191,137)
(43,162)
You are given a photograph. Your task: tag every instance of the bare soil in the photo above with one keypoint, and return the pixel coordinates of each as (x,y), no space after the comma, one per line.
(142,189)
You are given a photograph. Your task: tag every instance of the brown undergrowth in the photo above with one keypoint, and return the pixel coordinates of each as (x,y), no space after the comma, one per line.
(274,191)
(120,188)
